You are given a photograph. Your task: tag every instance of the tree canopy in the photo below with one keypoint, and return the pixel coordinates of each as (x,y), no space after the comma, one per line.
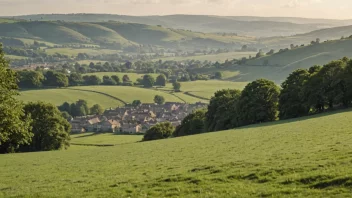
(159,131)
(159,99)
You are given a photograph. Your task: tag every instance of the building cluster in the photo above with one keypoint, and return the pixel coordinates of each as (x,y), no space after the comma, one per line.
(134,120)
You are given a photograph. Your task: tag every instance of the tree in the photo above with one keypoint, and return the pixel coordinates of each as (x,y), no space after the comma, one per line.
(50,130)
(91,80)
(75,79)
(125,78)
(159,131)
(222,110)
(148,81)
(66,115)
(136,103)
(15,125)
(108,81)
(30,79)
(159,99)
(218,75)
(65,107)
(96,110)
(116,79)
(161,80)
(292,102)
(270,52)
(192,124)
(258,102)
(176,86)
(56,79)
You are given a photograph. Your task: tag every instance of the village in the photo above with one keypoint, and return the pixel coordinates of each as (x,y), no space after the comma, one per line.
(134,119)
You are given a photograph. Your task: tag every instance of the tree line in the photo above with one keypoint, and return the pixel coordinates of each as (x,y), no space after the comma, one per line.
(304,92)
(31,127)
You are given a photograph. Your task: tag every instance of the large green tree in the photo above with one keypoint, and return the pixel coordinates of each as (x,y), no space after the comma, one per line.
(222,110)
(192,124)
(30,79)
(176,86)
(161,80)
(51,131)
(159,131)
(148,81)
(75,79)
(96,109)
(292,99)
(159,99)
(258,102)
(14,124)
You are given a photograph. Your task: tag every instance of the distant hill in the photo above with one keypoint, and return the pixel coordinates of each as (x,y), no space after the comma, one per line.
(117,33)
(323,35)
(243,25)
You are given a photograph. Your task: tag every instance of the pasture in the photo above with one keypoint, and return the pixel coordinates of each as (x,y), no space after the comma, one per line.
(59,96)
(306,157)
(206,89)
(129,94)
(222,57)
(76,51)
(103,139)
(133,76)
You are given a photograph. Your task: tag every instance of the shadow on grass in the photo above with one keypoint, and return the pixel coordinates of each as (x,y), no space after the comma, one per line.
(279,122)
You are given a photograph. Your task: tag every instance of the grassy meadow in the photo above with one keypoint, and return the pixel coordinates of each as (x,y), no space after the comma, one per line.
(222,57)
(306,157)
(206,89)
(75,52)
(59,96)
(104,139)
(133,76)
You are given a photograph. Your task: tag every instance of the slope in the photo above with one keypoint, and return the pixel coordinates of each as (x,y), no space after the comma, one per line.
(308,157)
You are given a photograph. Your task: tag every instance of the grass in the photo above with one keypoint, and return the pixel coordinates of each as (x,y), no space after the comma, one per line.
(129,94)
(75,52)
(206,89)
(103,139)
(133,76)
(222,57)
(307,157)
(14,57)
(59,96)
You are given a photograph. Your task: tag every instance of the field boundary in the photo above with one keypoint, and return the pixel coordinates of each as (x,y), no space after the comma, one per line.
(195,96)
(98,92)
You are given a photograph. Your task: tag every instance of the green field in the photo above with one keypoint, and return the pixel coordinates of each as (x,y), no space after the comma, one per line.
(222,57)
(13,57)
(74,51)
(206,89)
(133,76)
(307,157)
(59,96)
(129,94)
(104,139)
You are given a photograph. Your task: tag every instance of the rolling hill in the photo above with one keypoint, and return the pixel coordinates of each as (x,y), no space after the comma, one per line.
(117,34)
(306,157)
(243,25)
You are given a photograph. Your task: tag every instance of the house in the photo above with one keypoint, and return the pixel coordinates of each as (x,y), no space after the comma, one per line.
(77,128)
(131,128)
(92,125)
(109,126)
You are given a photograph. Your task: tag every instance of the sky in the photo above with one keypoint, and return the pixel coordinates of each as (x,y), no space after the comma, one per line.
(334,9)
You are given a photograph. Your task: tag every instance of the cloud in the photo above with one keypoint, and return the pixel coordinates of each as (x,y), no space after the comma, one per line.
(300,3)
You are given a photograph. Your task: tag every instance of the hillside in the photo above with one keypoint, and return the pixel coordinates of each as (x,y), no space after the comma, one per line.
(117,34)
(307,157)
(243,25)
(323,34)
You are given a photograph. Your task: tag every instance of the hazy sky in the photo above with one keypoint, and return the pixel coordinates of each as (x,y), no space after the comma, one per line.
(299,8)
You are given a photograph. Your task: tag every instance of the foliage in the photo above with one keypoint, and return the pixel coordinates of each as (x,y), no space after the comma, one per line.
(161,80)
(136,103)
(30,79)
(15,125)
(116,79)
(108,81)
(192,124)
(159,99)
(148,81)
(258,102)
(292,98)
(91,80)
(50,129)
(222,111)
(96,110)
(218,75)
(159,131)
(56,79)
(176,86)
